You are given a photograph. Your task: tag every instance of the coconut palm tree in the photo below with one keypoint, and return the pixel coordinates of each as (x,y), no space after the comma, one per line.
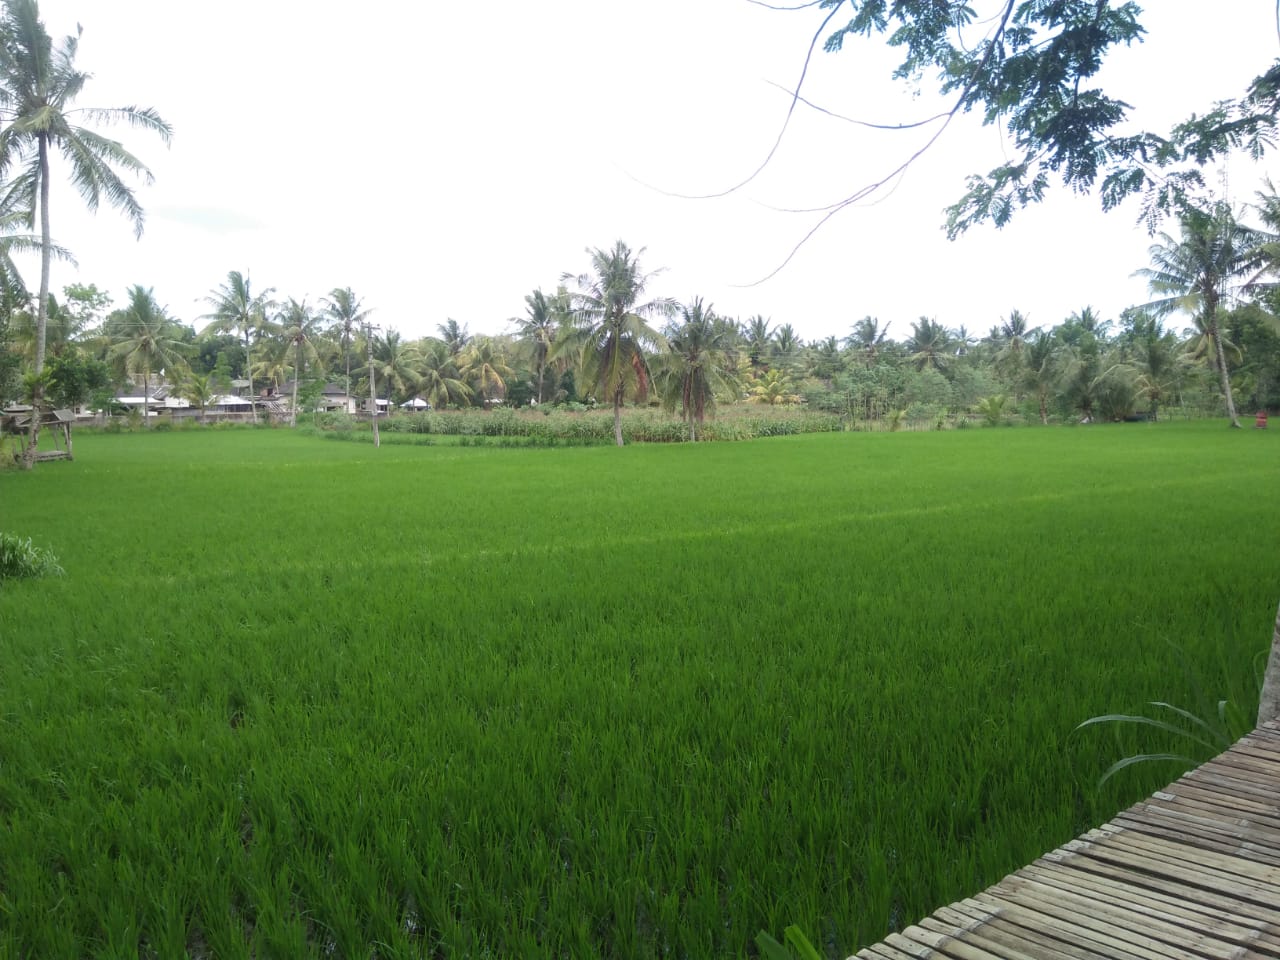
(486,368)
(236,309)
(773,388)
(696,364)
(1039,372)
(346,314)
(39,83)
(198,389)
(930,345)
(273,360)
(300,328)
(455,335)
(1010,337)
(961,340)
(144,341)
(759,339)
(1199,271)
(439,381)
(611,331)
(1153,354)
(826,359)
(538,328)
(395,364)
(786,347)
(868,339)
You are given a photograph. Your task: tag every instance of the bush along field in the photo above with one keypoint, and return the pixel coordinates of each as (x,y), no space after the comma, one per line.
(298,698)
(513,428)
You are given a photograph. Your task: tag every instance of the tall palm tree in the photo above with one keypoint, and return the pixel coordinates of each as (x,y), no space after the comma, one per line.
(273,360)
(440,382)
(145,342)
(236,309)
(1011,336)
(1040,369)
(484,366)
(39,83)
(868,338)
(826,359)
(454,334)
(929,345)
(695,366)
(786,346)
(300,328)
(395,364)
(346,314)
(538,328)
(612,332)
(759,339)
(1154,353)
(1197,271)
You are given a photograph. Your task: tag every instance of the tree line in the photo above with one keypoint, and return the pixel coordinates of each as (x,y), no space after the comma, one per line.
(599,337)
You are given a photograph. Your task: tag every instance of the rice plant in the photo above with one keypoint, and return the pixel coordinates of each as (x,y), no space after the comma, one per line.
(300,698)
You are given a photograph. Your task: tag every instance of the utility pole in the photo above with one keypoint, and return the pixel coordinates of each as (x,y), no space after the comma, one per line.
(373,384)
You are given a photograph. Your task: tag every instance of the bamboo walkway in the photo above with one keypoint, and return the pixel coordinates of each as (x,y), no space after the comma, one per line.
(1193,872)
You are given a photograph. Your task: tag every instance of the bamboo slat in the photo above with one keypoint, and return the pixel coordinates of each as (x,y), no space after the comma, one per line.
(1192,873)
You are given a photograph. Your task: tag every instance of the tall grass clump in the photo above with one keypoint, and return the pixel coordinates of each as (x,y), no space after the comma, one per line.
(21,558)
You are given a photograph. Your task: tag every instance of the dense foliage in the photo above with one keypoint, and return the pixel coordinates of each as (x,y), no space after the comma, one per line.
(1215,273)
(589,702)
(1035,68)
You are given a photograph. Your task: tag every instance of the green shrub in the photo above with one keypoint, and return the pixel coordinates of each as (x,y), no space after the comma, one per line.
(22,559)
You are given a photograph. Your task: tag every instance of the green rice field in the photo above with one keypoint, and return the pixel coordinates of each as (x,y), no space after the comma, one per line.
(300,698)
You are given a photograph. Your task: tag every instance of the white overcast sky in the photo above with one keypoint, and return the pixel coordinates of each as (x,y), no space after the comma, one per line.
(444,159)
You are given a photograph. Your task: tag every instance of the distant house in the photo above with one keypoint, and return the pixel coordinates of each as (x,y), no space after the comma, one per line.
(229,403)
(335,399)
(162,397)
(417,405)
(139,402)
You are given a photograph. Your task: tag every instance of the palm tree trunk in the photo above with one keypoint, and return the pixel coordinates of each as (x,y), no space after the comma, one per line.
(1269,702)
(617,417)
(248,373)
(1044,410)
(373,391)
(542,364)
(42,308)
(146,397)
(1223,375)
(46,256)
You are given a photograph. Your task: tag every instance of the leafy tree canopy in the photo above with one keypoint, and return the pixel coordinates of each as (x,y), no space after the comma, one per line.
(1033,66)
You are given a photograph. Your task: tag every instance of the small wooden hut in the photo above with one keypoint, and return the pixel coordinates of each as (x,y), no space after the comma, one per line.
(17,420)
